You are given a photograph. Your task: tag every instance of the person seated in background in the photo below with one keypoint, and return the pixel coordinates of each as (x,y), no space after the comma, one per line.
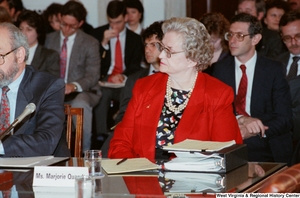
(79,64)
(274,11)
(217,25)
(121,52)
(294,4)
(32,26)
(41,132)
(180,101)
(4,15)
(271,44)
(135,13)
(52,16)
(151,36)
(14,7)
(290,32)
(262,99)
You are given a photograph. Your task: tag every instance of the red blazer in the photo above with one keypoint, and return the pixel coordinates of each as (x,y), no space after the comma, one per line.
(208,116)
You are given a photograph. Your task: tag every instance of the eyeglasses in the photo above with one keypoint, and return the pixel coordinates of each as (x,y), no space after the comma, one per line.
(238,35)
(2,60)
(72,27)
(167,50)
(154,44)
(288,39)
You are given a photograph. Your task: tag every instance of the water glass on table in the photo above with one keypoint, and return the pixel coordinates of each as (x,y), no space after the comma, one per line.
(92,160)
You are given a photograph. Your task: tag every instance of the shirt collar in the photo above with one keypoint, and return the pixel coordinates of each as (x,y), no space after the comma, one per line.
(72,37)
(250,64)
(14,86)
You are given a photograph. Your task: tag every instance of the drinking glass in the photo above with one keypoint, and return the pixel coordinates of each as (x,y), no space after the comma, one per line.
(92,160)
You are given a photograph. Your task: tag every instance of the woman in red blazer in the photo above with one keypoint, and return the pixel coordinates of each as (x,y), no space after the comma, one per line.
(180,101)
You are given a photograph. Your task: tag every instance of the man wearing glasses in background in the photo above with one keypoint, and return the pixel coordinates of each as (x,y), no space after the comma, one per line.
(79,63)
(262,103)
(290,32)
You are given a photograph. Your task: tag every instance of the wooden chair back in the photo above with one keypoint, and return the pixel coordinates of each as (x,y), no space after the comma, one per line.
(74,143)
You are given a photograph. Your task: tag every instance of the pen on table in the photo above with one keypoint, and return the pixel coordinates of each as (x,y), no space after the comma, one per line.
(121,161)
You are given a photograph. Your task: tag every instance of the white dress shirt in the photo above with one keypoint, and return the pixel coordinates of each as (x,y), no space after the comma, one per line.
(12,98)
(290,63)
(31,54)
(250,68)
(70,44)
(122,38)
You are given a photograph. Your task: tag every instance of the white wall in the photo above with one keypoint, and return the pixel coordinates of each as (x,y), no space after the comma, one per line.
(155,10)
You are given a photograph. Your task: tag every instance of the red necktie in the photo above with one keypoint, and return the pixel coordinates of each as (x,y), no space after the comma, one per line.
(240,99)
(63,58)
(5,110)
(118,69)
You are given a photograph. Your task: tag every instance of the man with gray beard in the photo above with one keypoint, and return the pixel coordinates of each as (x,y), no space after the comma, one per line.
(41,132)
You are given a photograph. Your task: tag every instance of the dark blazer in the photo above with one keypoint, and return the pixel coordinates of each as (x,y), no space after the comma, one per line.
(134,51)
(47,60)
(126,92)
(284,59)
(207,116)
(270,102)
(295,94)
(40,133)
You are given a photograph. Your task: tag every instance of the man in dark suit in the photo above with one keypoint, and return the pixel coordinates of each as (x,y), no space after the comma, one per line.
(115,65)
(262,102)
(41,132)
(290,31)
(82,63)
(270,45)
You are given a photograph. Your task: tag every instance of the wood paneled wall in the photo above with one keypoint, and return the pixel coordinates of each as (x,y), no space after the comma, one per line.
(196,8)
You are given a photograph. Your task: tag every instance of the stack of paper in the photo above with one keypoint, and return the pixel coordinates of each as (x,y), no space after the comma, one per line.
(192,155)
(195,182)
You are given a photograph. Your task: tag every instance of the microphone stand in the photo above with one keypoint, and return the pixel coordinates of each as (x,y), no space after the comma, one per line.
(7,131)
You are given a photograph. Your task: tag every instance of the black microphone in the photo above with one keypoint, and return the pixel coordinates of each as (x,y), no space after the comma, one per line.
(30,108)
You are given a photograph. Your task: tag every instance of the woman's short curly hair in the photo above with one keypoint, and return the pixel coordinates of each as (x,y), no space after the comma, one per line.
(217,24)
(196,40)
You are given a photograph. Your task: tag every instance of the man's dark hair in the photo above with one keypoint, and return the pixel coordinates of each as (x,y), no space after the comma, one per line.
(75,9)
(288,17)
(259,5)
(17,4)
(254,25)
(154,29)
(137,5)
(52,10)
(34,20)
(115,8)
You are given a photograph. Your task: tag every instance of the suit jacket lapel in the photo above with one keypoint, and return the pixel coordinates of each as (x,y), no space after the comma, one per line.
(36,58)
(231,75)
(285,60)
(24,96)
(75,51)
(192,111)
(151,110)
(258,82)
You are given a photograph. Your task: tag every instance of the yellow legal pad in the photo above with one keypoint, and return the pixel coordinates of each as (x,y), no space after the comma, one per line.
(130,165)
